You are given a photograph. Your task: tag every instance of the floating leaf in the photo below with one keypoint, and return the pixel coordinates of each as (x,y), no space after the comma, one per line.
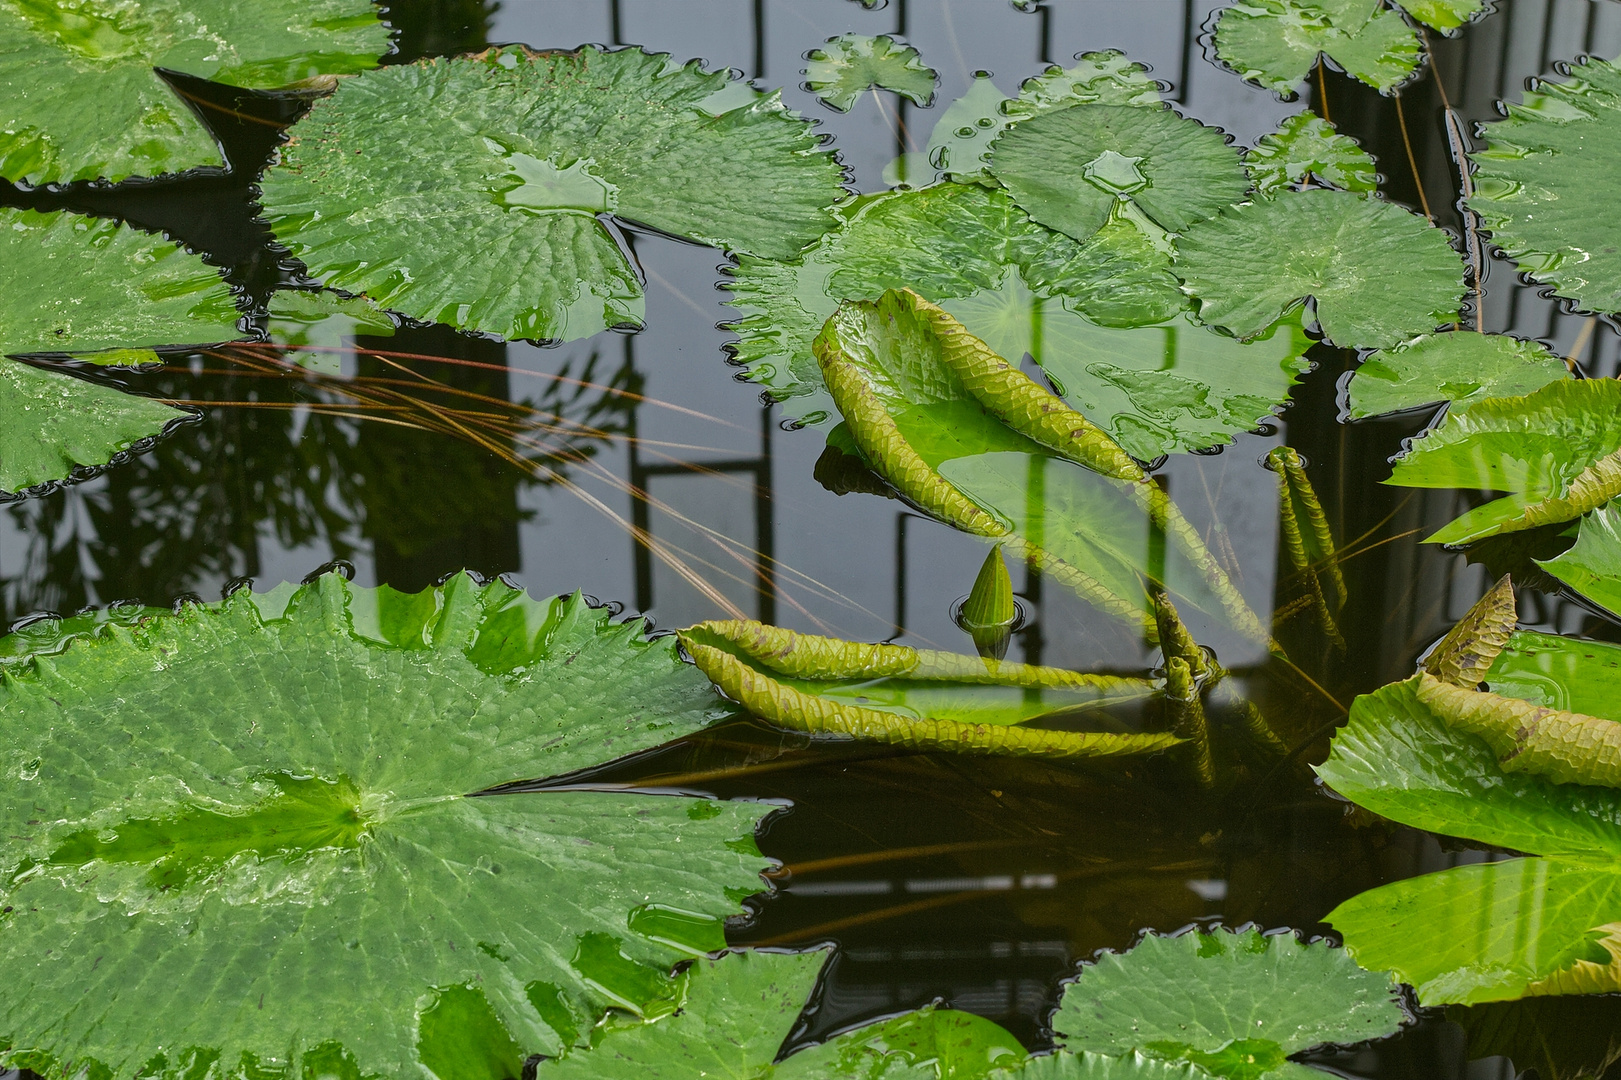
(1277,42)
(1504,929)
(1069,167)
(1463,657)
(56,59)
(316,326)
(1307,147)
(1558,745)
(1533,187)
(850,64)
(1462,367)
(496,222)
(910,697)
(1442,15)
(945,242)
(1377,274)
(1160,388)
(269,791)
(1554,451)
(932,1043)
(960,145)
(1235,1004)
(1593,566)
(924,397)
(78,285)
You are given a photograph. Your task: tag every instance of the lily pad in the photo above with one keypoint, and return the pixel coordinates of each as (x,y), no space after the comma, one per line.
(1377,274)
(945,242)
(851,64)
(1553,451)
(1234,1004)
(1164,388)
(1276,43)
(82,285)
(1069,167)
(222,822)
(930,1043)
(1307,147)
(1593,566)
(960,145)
(1462,367)
(910,697)
(495,215)
(1533,190)
(55,58)
(1442,15)
(1540,925)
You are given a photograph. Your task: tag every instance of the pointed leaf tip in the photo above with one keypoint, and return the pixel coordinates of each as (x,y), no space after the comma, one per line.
(1463,657)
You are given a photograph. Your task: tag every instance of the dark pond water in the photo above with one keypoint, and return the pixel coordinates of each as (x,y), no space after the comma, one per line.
(978,882)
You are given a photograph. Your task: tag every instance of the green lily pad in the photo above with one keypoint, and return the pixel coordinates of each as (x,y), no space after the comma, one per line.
(1069,167)
(496,222)
(851,64)
(1533,190)
(1552,451)
(1276,43)
(1377,274)
(1593,566)
(1462,367)
(83,285)
(946,242)
(1171,387)
(316,326)
(55,58)
(1442,15)
(1540,925)
(222,822)
(1235,1004)
(1307,147)
(960,145)
(933,1043)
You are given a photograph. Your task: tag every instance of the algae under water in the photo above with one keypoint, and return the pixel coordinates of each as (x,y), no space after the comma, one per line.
(639,467)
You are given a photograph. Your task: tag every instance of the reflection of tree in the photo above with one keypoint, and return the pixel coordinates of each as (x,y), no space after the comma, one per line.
(311,460)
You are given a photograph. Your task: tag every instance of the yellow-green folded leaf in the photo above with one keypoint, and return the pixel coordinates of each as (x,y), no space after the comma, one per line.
(1565,747)
(1463,657)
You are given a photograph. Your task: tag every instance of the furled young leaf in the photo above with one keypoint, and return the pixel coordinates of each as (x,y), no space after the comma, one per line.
(1234,1004)
(960,145)
(946,242)
(851,64)
(1377,274)
(1534,191)
(1462,367)
(57,59)
(1556,744)
(1307,147)
(1469,649)
(221,823)
(1165,388)
(1069,167)
(1555,452)
(1442,14)
(1277,42)
(71,284)
(1307,539)
(1593,566)
(967,437)
(1498,930)
(925,699)
(496,221)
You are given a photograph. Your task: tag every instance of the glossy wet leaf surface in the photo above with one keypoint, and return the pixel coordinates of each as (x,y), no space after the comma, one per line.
(499,218)
(271,792)
(1462,367)
(1442,14)
(1069,167)
(1593,566)
(1277,42)
(1549,451)
(1534,189)
(1377,273)
(1509,927)
(316,326)
(1307,147)
(56,57)
(72,284)
(851,64)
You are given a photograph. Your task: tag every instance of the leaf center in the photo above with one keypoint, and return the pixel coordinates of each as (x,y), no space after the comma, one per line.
(1241,1059)
(1116,172)
(535,184)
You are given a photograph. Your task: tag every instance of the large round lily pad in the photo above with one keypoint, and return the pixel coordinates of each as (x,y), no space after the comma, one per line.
(80,99)
(241,835)
(480,191)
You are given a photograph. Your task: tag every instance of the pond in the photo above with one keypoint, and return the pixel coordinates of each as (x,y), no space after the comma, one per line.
(1185,387)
